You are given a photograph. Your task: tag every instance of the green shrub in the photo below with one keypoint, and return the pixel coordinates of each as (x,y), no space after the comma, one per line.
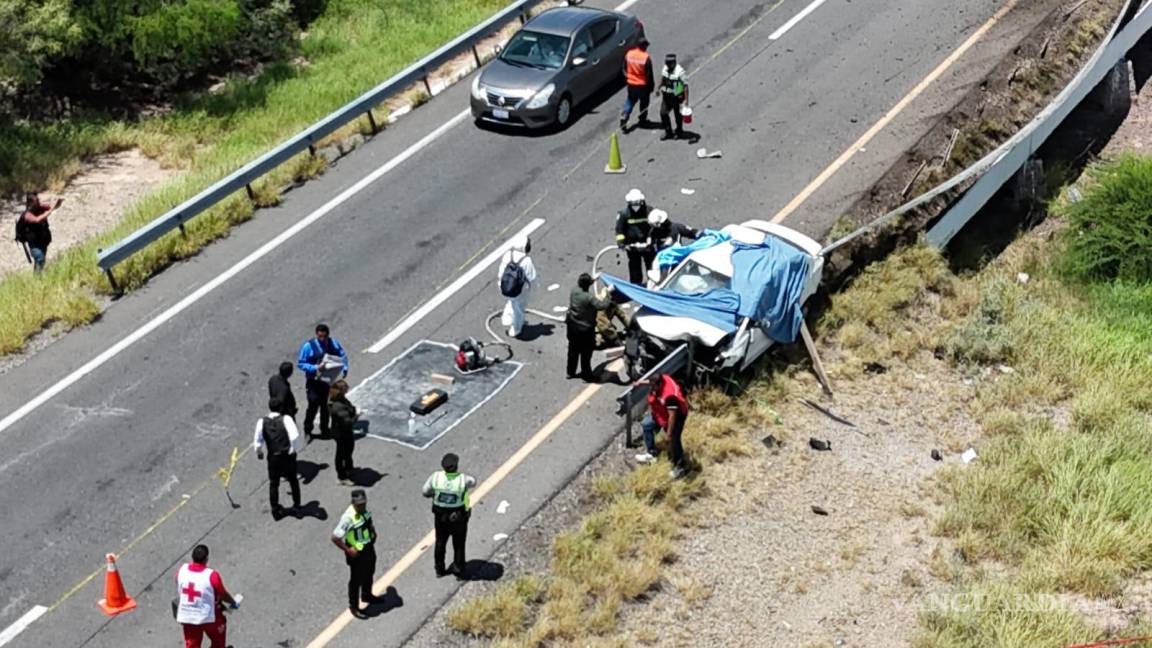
(1110,230)
(983,338)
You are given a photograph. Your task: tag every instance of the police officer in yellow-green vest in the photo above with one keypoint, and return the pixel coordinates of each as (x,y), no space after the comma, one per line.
(451,509)
(356,537)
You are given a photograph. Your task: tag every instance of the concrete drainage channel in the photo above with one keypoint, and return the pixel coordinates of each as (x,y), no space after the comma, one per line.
(963,144)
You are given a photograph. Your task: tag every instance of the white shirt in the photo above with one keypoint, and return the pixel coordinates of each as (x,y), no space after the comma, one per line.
(289,425)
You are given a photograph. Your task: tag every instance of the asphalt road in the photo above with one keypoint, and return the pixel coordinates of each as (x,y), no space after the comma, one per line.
(97,467)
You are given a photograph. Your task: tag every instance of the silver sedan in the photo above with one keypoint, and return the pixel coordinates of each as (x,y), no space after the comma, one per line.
(557,60)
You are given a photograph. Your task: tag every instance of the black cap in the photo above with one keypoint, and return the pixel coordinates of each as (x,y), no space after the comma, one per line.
(274,404)
(359,496)
(670,58)
(450,462)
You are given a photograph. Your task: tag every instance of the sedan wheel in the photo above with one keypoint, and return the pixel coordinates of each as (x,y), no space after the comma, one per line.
(563,111)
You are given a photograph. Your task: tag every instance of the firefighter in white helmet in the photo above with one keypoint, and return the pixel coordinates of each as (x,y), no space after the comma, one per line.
(632,236)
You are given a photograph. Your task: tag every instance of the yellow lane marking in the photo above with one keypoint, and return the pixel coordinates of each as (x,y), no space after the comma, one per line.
(140,537)
(932,77)
(410,558)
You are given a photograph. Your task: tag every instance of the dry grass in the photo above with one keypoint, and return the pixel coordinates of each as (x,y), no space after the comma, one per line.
(894,309)
(621,551)
(1056,502)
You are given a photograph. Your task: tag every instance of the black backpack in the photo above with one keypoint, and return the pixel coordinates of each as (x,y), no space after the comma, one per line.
(512,281)
(22,229)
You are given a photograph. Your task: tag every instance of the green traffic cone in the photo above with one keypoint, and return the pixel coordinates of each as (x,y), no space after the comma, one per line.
(614,163)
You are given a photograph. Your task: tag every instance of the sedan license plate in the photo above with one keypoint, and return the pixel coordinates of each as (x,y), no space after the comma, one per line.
(499,114)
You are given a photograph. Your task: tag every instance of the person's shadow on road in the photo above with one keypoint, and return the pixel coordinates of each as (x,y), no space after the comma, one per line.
(386,603)
(482,570)
(308,470)
(312,509)
(535,331)
(366,477)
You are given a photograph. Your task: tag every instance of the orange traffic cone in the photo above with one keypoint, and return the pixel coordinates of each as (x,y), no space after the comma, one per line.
(115,600)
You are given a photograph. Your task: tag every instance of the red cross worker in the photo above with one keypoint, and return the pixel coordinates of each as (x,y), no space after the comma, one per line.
(198,606)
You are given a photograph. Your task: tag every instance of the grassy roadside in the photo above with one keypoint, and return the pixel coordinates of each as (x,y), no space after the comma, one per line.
(351,48)
(1050,524)
(626,548)
(1058,502)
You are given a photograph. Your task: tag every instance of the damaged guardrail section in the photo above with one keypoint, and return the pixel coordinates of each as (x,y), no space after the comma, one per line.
(307,139)
(996,168)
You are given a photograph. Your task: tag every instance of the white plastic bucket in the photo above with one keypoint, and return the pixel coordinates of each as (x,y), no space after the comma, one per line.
(686,113)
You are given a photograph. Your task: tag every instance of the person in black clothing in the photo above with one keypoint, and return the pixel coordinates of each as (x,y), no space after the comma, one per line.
(280,390)
(633,236)
(34,231)
(344,417)
(666,233)
(278,434)
(581,324)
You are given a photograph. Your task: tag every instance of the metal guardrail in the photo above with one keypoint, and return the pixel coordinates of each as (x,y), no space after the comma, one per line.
(1010,158)
(998,166)
(307,139)
(626,402)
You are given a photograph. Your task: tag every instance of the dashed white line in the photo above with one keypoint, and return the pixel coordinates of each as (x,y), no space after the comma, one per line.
(261,252)
(441,297)
(21,624)
(796,20)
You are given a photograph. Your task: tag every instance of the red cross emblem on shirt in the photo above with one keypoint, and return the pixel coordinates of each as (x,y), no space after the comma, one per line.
(190,591)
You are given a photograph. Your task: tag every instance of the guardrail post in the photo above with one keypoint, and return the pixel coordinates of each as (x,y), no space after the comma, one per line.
(476,55)
(112,280)
(312,150)
(372,122)
(523,17)
(427,86)
(628,428)
(251,194)
(183,232)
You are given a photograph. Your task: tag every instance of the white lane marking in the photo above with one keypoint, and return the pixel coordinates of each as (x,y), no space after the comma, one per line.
(455,286)
(796,19)
(624,5)
(207,288)
(21,624)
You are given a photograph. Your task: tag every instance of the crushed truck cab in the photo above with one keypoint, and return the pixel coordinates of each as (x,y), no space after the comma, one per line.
(730,297)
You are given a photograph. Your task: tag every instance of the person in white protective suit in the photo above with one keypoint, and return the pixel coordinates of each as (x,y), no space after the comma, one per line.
(516,274)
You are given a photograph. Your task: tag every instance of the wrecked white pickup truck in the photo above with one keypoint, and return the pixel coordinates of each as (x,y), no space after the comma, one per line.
(730,295)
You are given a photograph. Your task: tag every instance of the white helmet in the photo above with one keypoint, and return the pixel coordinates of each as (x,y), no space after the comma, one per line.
(634,196)
(657,217)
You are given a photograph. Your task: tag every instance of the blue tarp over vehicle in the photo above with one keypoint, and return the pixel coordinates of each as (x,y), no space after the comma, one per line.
(670,257)
(767,284)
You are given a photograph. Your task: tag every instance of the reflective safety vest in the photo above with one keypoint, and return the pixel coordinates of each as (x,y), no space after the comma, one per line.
(361,532)
(636,67)
(672,83)
(449,492)
(196,595)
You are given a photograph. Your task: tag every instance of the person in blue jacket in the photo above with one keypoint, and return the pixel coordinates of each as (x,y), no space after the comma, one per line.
(312,353)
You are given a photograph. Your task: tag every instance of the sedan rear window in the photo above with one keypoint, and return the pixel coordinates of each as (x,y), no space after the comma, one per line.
(534,49)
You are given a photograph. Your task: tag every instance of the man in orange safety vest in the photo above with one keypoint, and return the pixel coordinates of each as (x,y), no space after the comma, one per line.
(638,75)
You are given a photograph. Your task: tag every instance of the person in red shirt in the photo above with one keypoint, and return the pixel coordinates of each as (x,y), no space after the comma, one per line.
(201,594)
(667,410)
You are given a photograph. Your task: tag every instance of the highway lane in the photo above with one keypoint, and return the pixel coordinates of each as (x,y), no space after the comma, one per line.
(175,404)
